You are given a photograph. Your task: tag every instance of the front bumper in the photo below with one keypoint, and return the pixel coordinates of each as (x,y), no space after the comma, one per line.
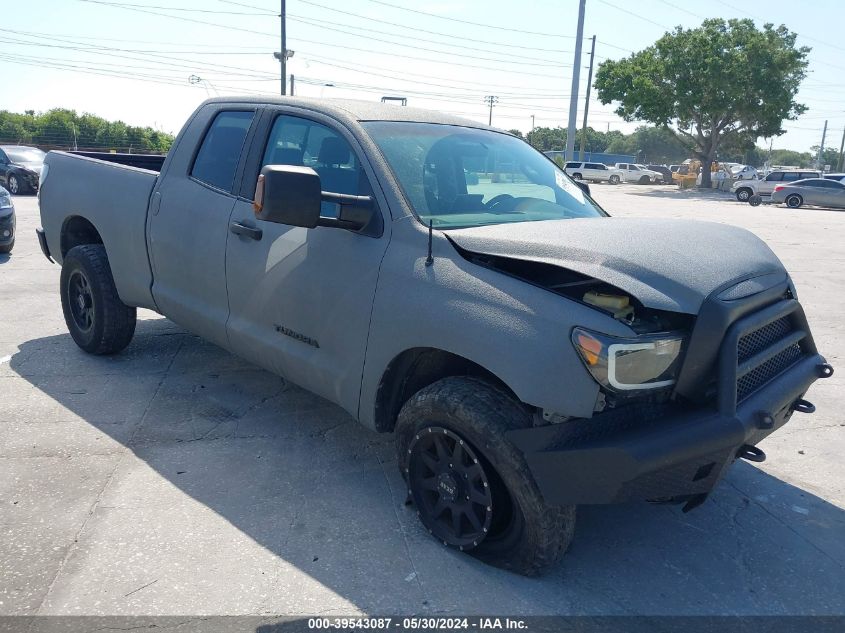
(729,398)
(7,225)
(680,456)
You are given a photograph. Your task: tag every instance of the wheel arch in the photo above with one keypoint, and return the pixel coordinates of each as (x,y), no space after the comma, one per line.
(76,231)
(415,369)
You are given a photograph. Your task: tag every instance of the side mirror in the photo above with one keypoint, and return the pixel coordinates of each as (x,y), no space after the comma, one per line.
(583,186)
(288,194)
(291,194)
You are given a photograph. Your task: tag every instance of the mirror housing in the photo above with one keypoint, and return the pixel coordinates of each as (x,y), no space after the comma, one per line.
(288,194)
(291,194)
(583,186)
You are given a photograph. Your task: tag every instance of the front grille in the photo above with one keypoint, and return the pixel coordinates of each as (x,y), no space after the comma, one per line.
(758,341)
(755,342)
(762,374)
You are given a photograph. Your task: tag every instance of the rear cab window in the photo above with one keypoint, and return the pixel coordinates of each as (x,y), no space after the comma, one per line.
(218,156)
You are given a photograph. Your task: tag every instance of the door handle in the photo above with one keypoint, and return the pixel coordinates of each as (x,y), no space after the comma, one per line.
(247,231)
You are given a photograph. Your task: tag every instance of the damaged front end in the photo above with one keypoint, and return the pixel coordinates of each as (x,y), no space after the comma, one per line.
(681,399)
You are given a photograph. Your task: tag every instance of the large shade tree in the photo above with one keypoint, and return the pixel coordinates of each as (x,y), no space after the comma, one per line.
(724,79)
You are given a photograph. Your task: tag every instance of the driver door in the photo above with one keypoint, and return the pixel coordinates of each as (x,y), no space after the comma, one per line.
(300,299)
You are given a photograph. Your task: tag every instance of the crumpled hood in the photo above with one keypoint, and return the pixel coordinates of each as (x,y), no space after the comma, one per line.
(667,264)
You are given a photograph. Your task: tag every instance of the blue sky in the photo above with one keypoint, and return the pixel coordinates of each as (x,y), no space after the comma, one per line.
(132,59)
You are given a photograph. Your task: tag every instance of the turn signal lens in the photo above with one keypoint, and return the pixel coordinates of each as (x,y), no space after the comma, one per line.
(258,200)
(589,346)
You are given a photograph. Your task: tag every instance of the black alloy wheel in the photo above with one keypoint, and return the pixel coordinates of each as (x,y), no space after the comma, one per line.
(450,488)
(81,301)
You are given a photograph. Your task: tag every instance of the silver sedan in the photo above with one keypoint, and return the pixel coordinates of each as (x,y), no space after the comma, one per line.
(818,192)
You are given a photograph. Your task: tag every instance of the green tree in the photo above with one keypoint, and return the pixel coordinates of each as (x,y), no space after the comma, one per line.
(721,79)
(547,139)
(516,133)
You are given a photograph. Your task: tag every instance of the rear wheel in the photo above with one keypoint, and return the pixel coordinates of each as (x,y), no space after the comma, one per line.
(743,194)
(98,321)
(614,179)
(472,488)
(794,201)
(577,176)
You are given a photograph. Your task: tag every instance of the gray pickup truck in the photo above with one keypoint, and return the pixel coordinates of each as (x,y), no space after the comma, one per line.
(443,281)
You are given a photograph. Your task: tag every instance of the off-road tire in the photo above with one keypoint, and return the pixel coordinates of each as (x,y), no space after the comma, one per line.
(794,201)
(112,321)
(743,194)
(535,535)
(614,180)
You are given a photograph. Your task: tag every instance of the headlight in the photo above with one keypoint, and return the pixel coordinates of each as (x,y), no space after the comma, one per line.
(5,200)
(624,365)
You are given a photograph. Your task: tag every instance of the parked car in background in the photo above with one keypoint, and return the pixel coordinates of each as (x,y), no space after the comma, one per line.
(818,192)
(7,222)
(597,172)
(663,170)
(840,177)
(744,189)
(634,173)
(20,168)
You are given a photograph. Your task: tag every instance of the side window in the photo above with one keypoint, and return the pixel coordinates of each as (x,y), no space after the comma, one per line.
(3,159)
(572,165)
(221,148)
(296,141)
(775,176)
(811,174)
(595,166)
(791,176)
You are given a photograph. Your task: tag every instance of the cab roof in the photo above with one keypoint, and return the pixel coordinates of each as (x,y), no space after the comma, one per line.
(357,110)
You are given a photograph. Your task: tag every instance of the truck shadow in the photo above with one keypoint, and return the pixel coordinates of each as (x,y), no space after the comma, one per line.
(323,497)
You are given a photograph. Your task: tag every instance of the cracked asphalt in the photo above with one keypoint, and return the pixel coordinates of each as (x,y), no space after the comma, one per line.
(176,479)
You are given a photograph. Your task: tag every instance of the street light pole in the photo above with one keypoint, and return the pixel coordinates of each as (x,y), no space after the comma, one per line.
(284,57)
(587,100)
(821,148)
(841,147)
(576,76)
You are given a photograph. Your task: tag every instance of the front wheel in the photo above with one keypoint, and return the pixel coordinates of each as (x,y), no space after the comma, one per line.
(614,180)
(98,321)
(472,488)
(15,186)
(576,176)
(794,201)
(644,180)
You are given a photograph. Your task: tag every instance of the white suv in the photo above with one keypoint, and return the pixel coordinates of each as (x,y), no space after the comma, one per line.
(638,173)
(593,171)
(744,189)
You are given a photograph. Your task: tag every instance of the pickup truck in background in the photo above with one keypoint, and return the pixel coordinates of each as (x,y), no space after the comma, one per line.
(638,174)
(444,281)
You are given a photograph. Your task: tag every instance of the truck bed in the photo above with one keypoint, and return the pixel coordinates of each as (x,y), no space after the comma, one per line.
(114,199)
(151,162)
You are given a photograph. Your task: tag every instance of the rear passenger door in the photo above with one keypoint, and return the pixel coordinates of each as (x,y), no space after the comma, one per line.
(188,221)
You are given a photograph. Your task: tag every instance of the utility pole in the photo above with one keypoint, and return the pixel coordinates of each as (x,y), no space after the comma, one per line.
(291,84)
(283,58)
(491,100)
(576,77)
(841,147)
(532,122)
(821,148)
(587,100)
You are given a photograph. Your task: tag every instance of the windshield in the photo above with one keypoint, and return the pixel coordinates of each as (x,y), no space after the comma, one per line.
(455,177)
(25,155)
